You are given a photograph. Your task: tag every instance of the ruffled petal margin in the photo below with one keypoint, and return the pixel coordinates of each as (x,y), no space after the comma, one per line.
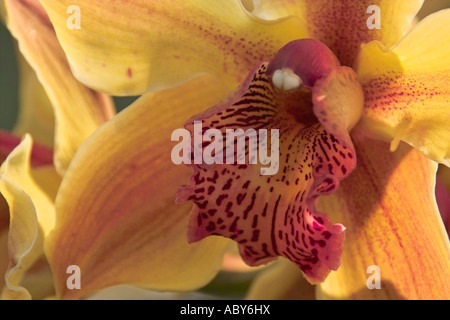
(31,214)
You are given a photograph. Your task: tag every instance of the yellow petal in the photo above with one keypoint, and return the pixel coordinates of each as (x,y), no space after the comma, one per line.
(130,47)
(31,217)
(49,180)
(426,47)
(116,213)
(388,206)
(406,88)
(78,110)
(281,281)
(35,110)
(343,24)
(40,155)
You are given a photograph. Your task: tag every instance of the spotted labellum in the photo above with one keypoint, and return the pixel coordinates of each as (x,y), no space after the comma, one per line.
(275,215)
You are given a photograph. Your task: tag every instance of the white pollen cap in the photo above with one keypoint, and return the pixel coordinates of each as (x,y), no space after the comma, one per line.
(285,79)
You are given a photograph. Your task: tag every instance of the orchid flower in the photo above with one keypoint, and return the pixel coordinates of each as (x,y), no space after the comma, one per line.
(362,114)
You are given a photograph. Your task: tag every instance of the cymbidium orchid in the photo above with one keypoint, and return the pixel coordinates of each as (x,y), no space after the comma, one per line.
(363,121)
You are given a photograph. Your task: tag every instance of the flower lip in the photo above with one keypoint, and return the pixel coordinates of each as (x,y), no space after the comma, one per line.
(309,59)
(276,216)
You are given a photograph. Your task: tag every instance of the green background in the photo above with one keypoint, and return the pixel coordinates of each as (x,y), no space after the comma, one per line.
(8,80)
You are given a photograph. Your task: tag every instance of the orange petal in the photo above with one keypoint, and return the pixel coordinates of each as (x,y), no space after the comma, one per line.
(406,88)
(342,24)
(131,47)
(116,213)
(388,206)
(78,110)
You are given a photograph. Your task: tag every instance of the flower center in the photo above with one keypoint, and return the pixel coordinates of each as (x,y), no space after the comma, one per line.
(303,61)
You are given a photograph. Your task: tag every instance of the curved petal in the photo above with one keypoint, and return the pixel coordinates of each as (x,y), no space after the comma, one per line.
(342,24)
(31,217)
(338,101)
(36,115)
(388,206)
(40,155)
(282,281)
(116,213)
(78,110)
(406,88)
(131,47)
(268,207)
